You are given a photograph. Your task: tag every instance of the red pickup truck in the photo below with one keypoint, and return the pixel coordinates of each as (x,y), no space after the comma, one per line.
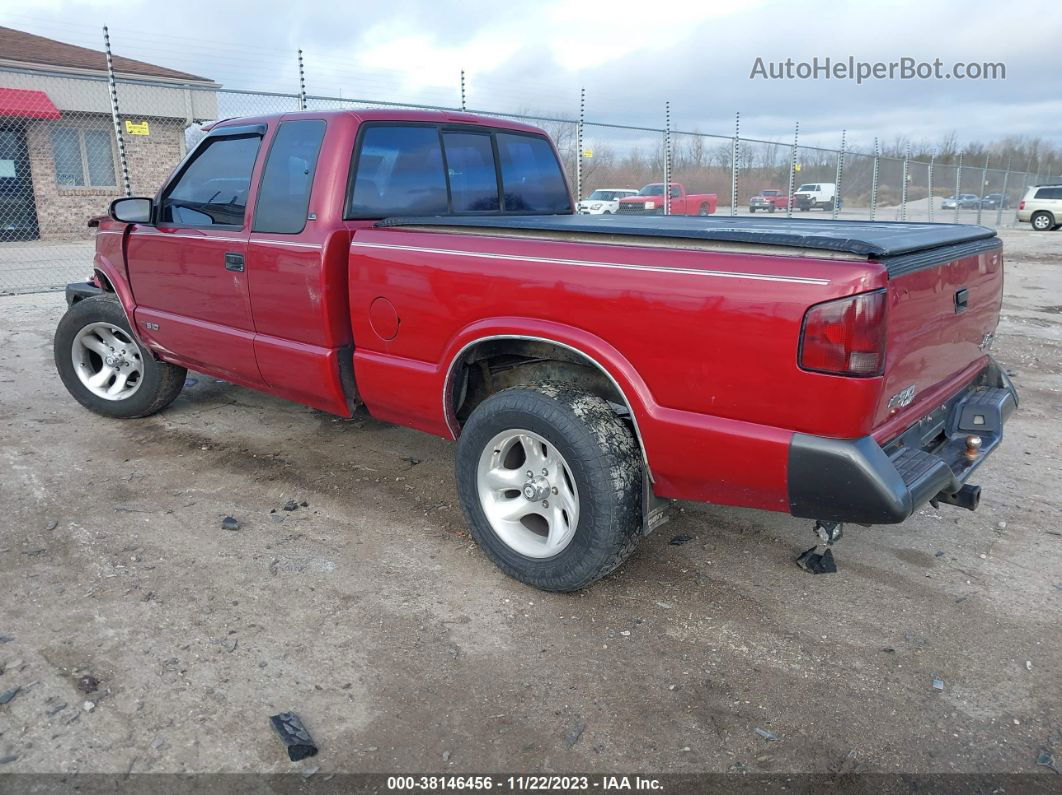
(769,200)
(430,267)
(650,201)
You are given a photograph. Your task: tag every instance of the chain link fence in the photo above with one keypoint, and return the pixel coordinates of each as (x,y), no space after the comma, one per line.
(69,145)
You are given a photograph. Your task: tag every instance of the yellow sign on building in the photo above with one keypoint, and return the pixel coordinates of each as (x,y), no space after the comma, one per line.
(138,128)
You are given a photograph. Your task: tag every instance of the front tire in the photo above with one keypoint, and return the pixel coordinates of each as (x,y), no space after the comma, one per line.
(105,369)
(550,480)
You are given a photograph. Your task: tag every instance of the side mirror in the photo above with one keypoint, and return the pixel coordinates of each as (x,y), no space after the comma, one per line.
(132,210)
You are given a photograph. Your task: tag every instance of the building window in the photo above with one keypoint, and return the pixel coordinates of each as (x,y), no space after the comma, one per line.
(83,158)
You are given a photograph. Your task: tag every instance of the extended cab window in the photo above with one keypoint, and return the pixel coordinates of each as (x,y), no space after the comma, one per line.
(1049,193)
(531,177)
(473,176)
(284,194)
(399,172)
(212,190)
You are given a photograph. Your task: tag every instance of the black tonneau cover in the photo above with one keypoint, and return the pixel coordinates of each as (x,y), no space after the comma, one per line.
(873,239)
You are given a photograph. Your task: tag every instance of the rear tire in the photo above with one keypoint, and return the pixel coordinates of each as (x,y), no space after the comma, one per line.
(550,480)
(1042,221)
(703,210)
(103,366)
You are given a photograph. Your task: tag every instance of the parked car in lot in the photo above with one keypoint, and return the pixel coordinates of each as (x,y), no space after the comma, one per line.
(650,201)
(964,201)
(994,201)
(1042,207)
(589,368)
(604,201)
(769,200)
(816,195)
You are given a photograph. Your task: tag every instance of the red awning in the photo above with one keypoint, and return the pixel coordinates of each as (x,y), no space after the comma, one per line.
(16,103)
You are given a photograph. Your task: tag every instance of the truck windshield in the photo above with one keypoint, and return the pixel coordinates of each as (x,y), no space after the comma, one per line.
(652,190)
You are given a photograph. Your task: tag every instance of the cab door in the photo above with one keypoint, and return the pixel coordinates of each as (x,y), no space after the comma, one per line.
(188,270)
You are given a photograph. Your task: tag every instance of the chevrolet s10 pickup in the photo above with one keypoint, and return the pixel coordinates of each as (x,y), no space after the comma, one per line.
(430,268)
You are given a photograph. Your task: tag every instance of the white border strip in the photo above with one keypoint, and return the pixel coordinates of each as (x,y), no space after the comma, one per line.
(587,264)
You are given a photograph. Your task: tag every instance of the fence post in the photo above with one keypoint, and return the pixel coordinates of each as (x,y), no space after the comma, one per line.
(980,193)
(462,90)
(1003,198)
(906,176)
(874,173)
(667,158)
(115,120)
(302,83)
(735,151)
(578,144)
(958,186)
(838,178)
(792,171)
(929,184)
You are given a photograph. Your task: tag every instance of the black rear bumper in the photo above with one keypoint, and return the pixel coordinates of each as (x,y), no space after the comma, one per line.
(860,481)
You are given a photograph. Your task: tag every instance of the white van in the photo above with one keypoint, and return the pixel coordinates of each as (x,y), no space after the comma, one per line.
(816,195)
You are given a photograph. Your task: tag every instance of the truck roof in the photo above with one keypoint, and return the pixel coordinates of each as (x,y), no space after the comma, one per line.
(385,114)
(872,239)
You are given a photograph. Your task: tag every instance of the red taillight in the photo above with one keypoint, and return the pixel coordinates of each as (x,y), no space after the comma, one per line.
(1021,204)
(845,337)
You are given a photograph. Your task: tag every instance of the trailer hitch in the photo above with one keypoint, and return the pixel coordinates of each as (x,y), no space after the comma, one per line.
(817,562)
(967,497)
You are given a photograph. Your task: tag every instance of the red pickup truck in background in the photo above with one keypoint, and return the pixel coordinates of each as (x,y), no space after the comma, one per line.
(769,200)
(429,267)
(650,201)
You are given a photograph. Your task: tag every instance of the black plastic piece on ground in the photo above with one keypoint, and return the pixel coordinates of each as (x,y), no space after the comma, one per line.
(813,562)
(294,735)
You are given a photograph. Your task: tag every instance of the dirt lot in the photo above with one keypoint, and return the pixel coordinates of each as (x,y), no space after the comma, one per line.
(371,614)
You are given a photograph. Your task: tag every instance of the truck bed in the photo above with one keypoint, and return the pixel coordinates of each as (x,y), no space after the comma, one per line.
(901,246)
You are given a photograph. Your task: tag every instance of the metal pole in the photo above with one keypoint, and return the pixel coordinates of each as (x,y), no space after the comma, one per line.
(980,194)
(958,186)
(578,144)
(792,172)
(837,181)
(735,151)
(115,120)
(463,90)
(874,180)
(302,84)
(906,176)
(1003,198)
(667,158)
(929,185)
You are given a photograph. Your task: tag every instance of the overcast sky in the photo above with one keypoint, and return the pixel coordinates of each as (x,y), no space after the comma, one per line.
(630,56)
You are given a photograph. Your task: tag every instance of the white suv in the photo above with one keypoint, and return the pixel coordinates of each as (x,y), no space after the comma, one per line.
(604,201)
(1042,207)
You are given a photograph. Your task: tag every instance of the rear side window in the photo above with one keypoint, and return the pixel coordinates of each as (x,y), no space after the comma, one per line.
(1049,193)
(213,189)
(531,176)
(399,172)
(473,175)
(284,194)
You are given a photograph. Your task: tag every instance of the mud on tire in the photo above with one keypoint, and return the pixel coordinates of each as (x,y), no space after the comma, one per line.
(603,459)
(156,383)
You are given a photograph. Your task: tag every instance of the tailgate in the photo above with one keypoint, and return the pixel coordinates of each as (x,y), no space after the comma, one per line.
(941,318)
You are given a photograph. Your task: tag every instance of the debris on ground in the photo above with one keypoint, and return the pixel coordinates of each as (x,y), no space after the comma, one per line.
(6,638)
(938,684)
(88,684)
(679,540)
(230,523)
(411,460)
(446,756)
(665,605)
(88,706)
(1028,665)
(571,737)
(158,742)
(7,760)
(294,505)
(769,736)
(51,524)
(814,563)
(310,771)
(293,734)
(1046,759)
(7,695)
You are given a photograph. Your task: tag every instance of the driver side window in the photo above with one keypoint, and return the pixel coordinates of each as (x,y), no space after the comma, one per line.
(212,190)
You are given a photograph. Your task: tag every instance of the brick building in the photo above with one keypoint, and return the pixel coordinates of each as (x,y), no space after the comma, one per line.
(59,161)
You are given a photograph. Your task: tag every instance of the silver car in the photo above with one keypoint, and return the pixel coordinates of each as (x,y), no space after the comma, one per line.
(1042,207)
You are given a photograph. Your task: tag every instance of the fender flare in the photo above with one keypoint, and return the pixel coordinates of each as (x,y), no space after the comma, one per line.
(598,352)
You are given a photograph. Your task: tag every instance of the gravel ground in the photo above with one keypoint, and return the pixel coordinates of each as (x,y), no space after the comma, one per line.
(370,612)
